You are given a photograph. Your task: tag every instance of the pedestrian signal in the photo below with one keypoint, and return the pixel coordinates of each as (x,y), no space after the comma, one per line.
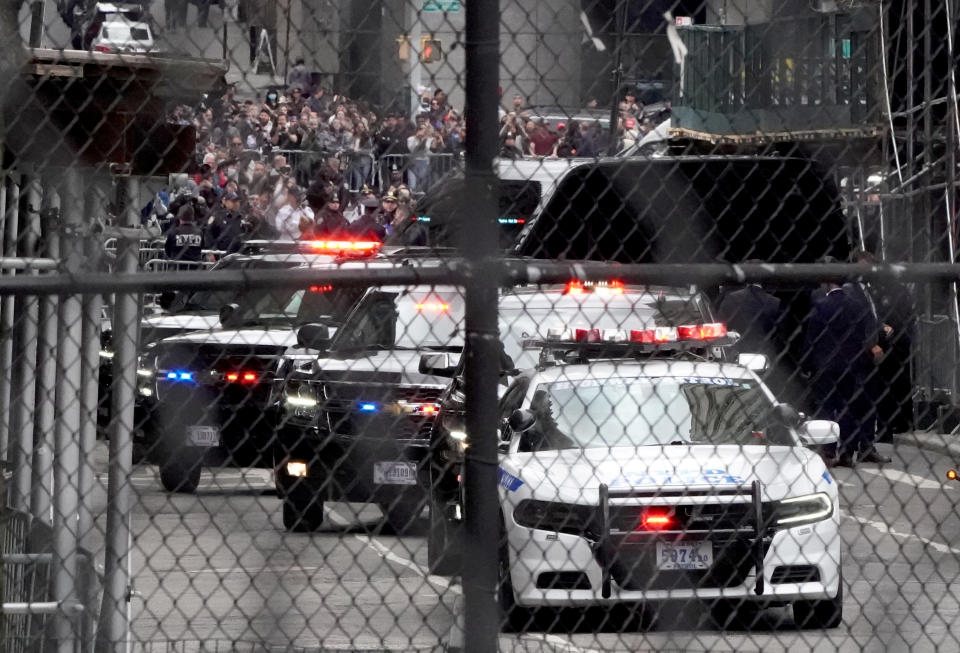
(431,50)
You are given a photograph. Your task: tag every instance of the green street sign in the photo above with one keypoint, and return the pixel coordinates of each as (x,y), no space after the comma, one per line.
(446,6)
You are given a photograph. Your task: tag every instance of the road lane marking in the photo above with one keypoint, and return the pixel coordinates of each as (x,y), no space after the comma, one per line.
(885,528)
(386,553)
(252,570)
(900,476)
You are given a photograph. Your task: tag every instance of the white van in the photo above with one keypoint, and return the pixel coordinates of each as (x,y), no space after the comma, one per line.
(525,187)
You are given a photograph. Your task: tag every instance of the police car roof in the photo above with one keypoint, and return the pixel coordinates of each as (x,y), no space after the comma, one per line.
(633,368)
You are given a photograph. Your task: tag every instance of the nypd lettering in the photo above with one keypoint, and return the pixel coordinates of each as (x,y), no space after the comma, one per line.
(710,476)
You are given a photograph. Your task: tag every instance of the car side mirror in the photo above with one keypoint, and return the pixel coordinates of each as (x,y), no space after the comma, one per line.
(818,432)
(227,313)
(521,420)
(437,365)
(753,362)
(314,336)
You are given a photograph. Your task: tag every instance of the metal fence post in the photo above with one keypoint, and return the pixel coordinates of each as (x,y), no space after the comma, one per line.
(90,374)
(482,618)
(68,414)
(113,624)
(22,397)
(8,207)
(41,490)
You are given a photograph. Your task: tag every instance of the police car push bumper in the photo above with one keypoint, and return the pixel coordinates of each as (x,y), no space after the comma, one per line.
(769,550)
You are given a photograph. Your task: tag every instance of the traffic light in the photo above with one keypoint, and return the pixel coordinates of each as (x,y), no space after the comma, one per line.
(431,50)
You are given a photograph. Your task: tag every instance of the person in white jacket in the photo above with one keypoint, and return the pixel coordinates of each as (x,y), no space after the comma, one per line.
(294,217)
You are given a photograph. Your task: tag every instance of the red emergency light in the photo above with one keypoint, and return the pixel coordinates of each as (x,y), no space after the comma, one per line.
(360,247)
(240,377)
(656,520)
(614,287)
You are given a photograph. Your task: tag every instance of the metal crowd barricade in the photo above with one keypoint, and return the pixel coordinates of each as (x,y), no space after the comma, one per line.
(210,258)
(419,171)
(25,580)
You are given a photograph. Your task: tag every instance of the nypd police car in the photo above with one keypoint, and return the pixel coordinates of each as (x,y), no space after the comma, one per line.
(651,479)
(360,422)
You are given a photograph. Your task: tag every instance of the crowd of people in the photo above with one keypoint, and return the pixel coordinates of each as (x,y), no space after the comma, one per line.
(524,134)
(305,162)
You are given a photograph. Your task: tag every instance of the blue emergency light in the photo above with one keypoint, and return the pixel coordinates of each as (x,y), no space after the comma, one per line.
(177,375)
(368,407)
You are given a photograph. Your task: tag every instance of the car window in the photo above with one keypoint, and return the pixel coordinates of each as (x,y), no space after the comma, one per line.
(637,412)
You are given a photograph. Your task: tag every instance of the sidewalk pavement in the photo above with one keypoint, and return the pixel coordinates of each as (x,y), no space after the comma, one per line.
(942,443)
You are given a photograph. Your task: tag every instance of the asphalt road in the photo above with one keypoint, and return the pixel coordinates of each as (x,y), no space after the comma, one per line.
(217,567)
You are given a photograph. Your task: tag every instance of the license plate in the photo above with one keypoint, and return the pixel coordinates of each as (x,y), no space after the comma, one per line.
(684,555)
(395,473)
(204,436)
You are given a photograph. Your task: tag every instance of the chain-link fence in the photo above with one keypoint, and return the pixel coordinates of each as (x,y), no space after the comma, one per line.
(569,326)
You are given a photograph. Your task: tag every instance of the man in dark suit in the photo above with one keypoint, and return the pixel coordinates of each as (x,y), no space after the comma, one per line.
(755,314)
(877,335)
(838,357)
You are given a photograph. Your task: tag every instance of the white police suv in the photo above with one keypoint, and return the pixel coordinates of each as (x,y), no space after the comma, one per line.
(653,478)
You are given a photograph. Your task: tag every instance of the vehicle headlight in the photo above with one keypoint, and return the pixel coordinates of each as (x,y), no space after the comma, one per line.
(146,371)
(557,517)
(795,511)
(301,401)
(106,354)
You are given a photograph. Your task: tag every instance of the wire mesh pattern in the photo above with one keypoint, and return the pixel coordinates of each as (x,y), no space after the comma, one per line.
(433,325)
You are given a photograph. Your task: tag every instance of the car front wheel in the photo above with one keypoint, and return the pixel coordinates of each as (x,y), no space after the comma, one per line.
(181,473)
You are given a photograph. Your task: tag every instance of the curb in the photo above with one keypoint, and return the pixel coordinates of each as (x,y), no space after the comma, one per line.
(942,443)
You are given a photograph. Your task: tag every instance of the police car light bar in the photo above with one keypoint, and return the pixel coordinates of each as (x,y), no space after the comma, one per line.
(655,335)
(614,287)
(361,247)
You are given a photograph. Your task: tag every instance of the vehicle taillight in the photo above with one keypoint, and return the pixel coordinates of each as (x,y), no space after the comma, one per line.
(326,288)
(241,377)
(656,520)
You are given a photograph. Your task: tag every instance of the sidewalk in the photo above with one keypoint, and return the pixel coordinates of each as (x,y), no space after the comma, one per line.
(942,443)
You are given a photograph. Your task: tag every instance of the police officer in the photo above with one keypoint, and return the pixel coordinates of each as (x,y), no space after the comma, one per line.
(330,223)
(225,230)
(839,360)
(374,225)
(185,241)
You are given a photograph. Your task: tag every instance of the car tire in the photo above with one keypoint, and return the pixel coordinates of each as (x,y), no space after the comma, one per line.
(819,615)
(444,542)
(181,474)
(402,518)
(306,517)
(735,614)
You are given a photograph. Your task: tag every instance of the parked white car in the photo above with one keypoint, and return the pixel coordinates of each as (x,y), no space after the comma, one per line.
(120,35)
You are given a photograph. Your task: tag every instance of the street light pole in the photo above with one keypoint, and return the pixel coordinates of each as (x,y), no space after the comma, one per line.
(617,74)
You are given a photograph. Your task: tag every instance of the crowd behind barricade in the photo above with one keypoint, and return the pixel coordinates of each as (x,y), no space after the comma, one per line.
(306,162)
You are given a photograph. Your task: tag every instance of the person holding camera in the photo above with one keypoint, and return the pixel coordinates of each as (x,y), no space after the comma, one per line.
(294,218)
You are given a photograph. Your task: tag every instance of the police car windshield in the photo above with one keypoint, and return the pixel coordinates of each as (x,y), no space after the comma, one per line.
(319,304)
(639,412)
(214,300)
(416,318)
